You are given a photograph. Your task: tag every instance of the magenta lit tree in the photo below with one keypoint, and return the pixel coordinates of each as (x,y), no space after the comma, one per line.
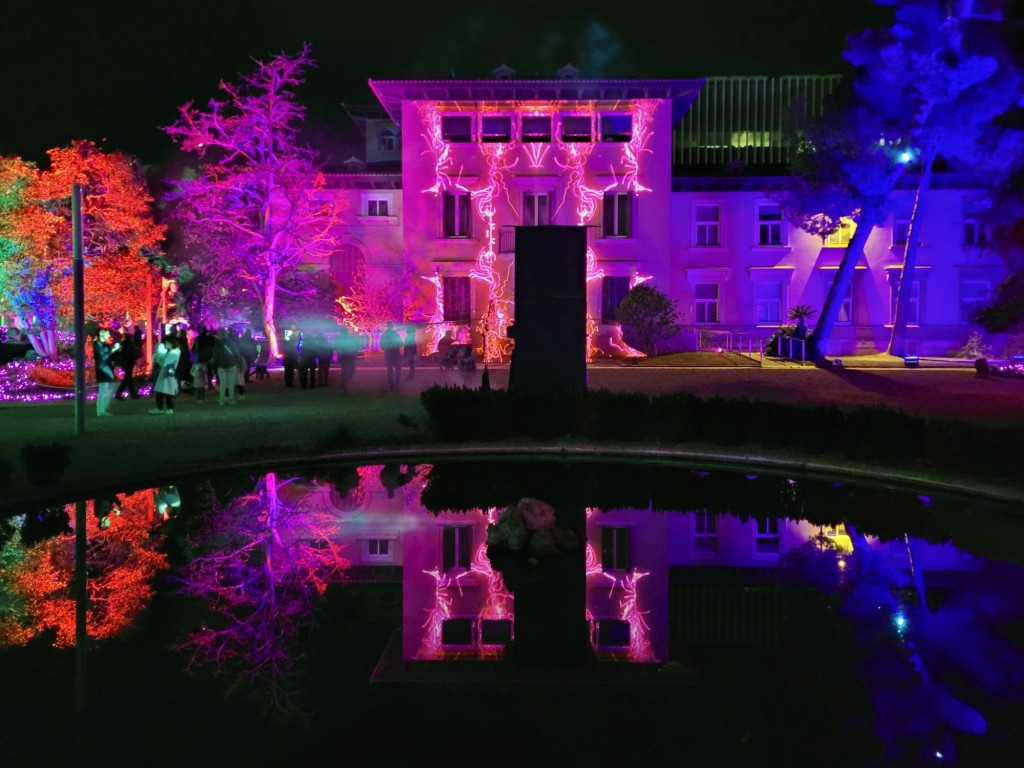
(265,565)
(256,204)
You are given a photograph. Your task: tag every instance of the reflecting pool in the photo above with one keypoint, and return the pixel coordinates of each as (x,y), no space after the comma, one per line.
(516,612)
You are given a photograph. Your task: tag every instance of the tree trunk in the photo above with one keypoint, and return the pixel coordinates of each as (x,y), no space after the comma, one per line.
(897,341)
(817,342)
(44,342)
(269,310)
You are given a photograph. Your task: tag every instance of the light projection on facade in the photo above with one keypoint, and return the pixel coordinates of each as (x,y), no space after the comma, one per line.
(499,603)
(494,322)
(431,645)
(640,648)
(575,158)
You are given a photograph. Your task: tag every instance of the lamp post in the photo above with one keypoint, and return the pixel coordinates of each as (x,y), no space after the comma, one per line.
(79,303)
(81,593)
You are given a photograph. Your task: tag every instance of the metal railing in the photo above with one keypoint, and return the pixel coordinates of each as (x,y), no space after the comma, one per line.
(787,346)
(746,344)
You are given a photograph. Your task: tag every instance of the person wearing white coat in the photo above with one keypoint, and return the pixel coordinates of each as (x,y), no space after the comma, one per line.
(166,386)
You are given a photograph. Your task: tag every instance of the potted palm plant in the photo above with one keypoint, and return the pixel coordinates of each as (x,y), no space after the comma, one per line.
(801,313)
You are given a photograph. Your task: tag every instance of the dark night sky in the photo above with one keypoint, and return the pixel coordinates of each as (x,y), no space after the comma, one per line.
(118,71)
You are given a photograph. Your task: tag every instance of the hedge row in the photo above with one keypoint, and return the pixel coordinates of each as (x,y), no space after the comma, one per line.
(875,434)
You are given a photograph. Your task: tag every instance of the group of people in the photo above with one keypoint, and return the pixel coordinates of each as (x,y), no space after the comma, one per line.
(203,359)
(183,360)
(311,356)
(108,355)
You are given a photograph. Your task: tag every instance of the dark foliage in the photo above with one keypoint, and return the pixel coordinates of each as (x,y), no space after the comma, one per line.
(6,470)
(873,435)
(46,464)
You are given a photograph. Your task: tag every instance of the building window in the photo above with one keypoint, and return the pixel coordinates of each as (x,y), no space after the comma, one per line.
(913,305)
(577,128)
(974,294)
(345,265)
(769,224)
(386,140)
(616,214)
(456,207)
(456,547)
(841,237)
(705,532)
(618,128)
(536,209)
(975,233)
(457,128)
(495,631)
(611,633)
(768,302)
(766,535)
(613,291)
(456,299)
(845,315)
(496,129)
(615,549)
(458,632)
(706,225)
(377,549)
(705,300)
(378,207)
(536,129)
(900,231)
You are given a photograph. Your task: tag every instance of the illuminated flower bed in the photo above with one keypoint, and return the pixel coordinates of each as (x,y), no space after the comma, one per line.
(36,381)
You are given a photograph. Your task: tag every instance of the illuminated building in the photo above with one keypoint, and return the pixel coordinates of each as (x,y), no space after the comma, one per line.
(677,182)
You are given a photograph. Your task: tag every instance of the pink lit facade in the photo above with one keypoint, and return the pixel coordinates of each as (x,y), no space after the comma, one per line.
(470,160)
(645,571)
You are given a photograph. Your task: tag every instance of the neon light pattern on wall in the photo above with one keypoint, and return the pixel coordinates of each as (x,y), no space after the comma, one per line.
(493,324)
(499,601)
(430,645)
(573,159)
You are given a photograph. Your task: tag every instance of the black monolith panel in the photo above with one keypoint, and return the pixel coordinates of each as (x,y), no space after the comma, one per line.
(550,329)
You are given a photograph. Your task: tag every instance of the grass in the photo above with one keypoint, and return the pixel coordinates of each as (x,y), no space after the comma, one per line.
(697,360)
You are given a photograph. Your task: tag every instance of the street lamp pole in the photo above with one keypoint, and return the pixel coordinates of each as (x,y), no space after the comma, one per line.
(79,302)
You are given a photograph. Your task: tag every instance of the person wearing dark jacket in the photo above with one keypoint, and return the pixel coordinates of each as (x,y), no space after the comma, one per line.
(247,347)
(324,354)
(102,354)
(290,353)
(307,362)
(391,343)
(128,357)
(347,346)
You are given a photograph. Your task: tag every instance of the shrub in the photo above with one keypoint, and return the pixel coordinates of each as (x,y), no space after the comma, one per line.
(46,464)
(6,470)
(647,316)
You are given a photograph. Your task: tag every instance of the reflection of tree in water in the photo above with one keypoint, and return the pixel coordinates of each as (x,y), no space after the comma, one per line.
(925,666)
(264,568)
(35,581)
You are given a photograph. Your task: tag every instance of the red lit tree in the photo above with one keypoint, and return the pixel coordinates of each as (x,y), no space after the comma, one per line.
(368,306)
(265,566)
(122,561)
(257,205)
(120,235)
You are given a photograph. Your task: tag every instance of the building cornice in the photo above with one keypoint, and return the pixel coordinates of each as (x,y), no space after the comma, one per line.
(392,93)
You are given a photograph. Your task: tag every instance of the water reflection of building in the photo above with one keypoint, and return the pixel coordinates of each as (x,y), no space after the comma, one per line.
(654,579)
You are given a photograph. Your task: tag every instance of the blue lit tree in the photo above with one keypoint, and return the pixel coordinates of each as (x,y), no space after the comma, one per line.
(936,79)
(840,171)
